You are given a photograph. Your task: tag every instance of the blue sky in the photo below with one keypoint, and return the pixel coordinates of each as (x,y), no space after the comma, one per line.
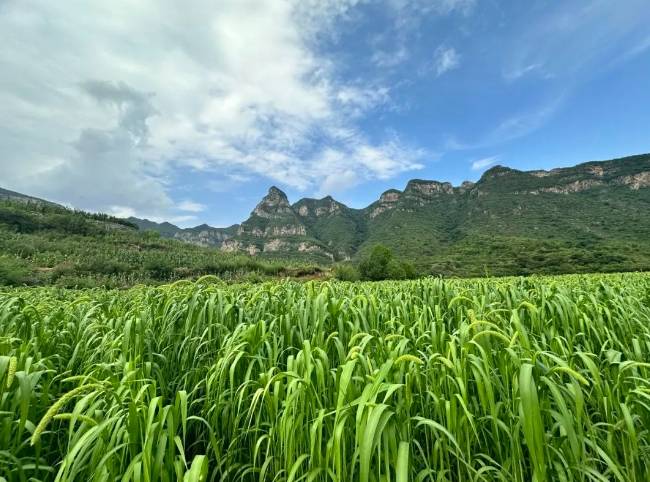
(188,113)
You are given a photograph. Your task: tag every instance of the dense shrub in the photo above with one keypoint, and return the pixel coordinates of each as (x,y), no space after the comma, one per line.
(65,268)
(346,272)
(380,264)
(159,267)
(107,266)
(17,220)
(14,272)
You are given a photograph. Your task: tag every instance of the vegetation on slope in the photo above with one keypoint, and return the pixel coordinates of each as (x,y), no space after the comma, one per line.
(539,379)
(604,229)
(588,218)
(48,244)
(380,264)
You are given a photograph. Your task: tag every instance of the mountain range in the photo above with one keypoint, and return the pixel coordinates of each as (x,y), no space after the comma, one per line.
(591,217)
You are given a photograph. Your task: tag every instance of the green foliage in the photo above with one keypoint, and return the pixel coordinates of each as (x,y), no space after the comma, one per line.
(588,218)
(346,272)
(44,244)
(380,264)
(508,223)
(510,379)
(160,267)
(602,230)
(377,265)
(14,271)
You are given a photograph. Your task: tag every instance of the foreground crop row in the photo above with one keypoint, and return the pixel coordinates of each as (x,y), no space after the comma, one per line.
(430,380)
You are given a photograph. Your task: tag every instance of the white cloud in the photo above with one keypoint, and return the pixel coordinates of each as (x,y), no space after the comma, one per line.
(332,166)
(513,126)
(102,103)
(523,123)
(390,58)
(388,160)
(569,40)
(398,44)
(122,211)
(519,72)
(483,163)
(228,182)
(424,7)
(338,182)
(358,100)
(127,212)
(445,59)
(191,206)
(637,49)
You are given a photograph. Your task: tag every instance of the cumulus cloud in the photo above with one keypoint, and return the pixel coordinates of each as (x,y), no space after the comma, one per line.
(104,102)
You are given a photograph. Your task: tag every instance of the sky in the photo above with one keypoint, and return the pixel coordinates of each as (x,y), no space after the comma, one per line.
(189,111)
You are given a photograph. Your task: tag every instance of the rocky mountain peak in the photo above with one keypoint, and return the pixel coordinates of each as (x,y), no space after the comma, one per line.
(427,188)
(388,200)
(328,205)
(390,196)
(497,171)
(317,207)
(274,203)
(466,186)
(275,191)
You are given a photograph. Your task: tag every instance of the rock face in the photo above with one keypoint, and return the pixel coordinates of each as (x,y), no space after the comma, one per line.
(635,181)
(387,201)
(203,235)
(318,207)
(466,186)
(234,245)
(575,186)
(273,204)
(326,229)
(428,188)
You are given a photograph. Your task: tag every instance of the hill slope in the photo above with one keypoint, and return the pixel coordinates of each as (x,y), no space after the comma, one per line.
(586,218)
(7,195)
(43,243)
(590,217)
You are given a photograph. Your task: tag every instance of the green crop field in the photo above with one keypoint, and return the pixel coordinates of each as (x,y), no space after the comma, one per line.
(514,379)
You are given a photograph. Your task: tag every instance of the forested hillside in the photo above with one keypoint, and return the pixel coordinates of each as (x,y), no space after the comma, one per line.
(42,243)
(587,218)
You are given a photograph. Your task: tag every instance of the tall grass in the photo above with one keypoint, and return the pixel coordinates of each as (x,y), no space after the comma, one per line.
(516,379)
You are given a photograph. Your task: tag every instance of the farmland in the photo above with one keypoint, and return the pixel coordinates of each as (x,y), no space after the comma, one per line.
(510,379)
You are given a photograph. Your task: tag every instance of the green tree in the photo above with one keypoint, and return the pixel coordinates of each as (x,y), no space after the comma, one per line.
(346,272)
(375,266)
(380,264)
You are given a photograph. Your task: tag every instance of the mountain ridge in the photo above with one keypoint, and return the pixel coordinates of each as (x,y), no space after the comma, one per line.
(593,217)
(436,216)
